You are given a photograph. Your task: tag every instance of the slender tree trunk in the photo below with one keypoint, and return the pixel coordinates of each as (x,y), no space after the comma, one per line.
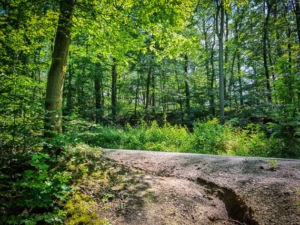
(56,76)
(80,83)
(220,33)
(296,4)
(69,104)
(226,54)
(136,96)
(98,92)
(114,90)
(240,78)
(297,14)
(180,98)
(207,69)
(148,97)
(265,57)
(288,77)
(231,79)
(238,55)
(212,80)
(213,75)
(153,90)
(187,87)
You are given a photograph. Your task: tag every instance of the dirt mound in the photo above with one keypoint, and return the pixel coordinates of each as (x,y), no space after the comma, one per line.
(204,189)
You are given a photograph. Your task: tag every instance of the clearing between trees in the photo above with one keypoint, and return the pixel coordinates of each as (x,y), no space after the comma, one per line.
(179,188)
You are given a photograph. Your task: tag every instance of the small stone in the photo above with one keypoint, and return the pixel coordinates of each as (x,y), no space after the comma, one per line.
(148,177)
(210,198)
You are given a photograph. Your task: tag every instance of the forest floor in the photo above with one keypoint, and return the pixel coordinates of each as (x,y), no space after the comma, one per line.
(179,188)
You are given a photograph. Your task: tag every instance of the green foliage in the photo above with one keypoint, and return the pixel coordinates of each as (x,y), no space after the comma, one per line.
(31,190)
(207,137)
(153,137)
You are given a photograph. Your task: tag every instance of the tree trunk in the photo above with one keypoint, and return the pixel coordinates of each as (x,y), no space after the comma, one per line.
(265,39)
(180,99)
(221,68)
(297,14)
(114,90)
(153,91)
(98,92)
(187,87)
(231,80)
(226,55)
(207,69)
(69,104)
(136,96)
(56,76)
(240,78)
(80,83)
(212,94)
(148,88)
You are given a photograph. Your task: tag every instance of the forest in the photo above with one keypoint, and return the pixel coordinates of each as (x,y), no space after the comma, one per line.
(206,76)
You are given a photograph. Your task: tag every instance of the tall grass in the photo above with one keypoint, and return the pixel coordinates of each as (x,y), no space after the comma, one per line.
(207,137)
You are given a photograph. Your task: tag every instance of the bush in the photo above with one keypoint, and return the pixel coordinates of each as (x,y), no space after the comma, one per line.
(31,190)
(208,137)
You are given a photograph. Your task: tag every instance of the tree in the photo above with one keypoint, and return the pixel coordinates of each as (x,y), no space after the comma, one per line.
(56,76)
(220,33)
(114,76)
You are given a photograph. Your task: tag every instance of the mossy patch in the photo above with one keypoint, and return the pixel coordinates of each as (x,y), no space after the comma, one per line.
(82,209)
(99,186)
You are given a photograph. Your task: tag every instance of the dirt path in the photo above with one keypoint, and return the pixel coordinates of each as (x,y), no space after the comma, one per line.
(204,189)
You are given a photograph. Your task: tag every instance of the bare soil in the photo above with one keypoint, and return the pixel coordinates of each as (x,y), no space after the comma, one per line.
(179,188)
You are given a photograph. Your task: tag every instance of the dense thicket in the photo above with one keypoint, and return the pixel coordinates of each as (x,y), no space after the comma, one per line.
(67,65)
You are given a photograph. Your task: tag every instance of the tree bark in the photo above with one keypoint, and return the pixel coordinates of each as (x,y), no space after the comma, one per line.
(56,76)
(212,80)
(136,96)
(98,92)
(297,14)
(226,54)
(148,88)
(114,90)
(153,91)
(69,104)
(265,39)
(240,78)
(187,87)
(221,67)
(207,69)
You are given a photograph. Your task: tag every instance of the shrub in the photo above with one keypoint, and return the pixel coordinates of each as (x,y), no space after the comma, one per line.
(31,190)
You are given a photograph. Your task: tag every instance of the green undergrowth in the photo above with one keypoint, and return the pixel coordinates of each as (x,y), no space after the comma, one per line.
(76,187)
(32,190)
(208,137)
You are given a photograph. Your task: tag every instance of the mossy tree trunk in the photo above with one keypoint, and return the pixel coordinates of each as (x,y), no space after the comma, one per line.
(56,76)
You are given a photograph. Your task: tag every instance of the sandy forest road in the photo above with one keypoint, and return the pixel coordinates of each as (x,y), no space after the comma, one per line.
(208,189)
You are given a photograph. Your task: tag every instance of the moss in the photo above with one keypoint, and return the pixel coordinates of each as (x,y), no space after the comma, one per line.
(82,209)
(72,167)
(97,184)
